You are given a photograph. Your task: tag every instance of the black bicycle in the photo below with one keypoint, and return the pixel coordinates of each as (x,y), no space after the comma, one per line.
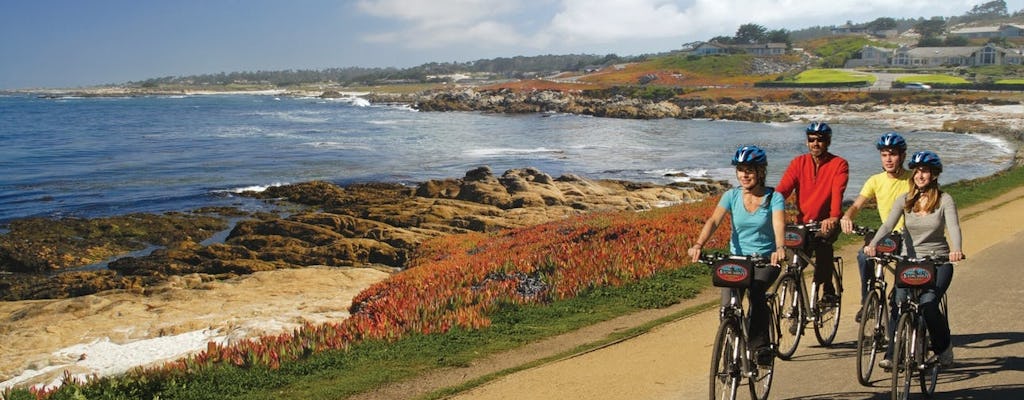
(872,334)
(797,306)
(733,359)
(910,343)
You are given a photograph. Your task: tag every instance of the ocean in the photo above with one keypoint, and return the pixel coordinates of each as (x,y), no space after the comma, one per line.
(92,157)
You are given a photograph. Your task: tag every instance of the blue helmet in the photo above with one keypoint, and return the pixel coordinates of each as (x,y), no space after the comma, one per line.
(926,159)
(819,128)
(749,155)
(891,140)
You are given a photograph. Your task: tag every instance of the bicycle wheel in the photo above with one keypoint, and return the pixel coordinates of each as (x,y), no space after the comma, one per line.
(826,316)
(726,361)
(903,363)
(870,336)
(791,315)
(761,381)
(929,371)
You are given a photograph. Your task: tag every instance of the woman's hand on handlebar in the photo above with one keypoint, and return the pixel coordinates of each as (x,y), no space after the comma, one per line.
(778,256)
(955,256)
(869,251)
(694,253)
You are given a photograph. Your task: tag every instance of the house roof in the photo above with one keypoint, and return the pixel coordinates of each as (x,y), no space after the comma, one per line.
(923,52)
(977,29)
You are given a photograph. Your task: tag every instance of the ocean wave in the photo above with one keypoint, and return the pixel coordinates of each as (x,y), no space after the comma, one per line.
(508,151)
(252,188)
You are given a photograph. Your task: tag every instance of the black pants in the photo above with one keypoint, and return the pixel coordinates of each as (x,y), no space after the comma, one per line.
(758,299)
(824,260)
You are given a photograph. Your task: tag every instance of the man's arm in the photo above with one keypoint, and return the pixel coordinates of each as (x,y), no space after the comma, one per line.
(839,181)
(788,181)
(847,220)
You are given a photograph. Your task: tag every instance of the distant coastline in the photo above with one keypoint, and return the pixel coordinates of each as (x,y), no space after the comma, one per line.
(932,112)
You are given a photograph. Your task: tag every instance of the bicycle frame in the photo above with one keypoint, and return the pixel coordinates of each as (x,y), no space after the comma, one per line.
(733,357)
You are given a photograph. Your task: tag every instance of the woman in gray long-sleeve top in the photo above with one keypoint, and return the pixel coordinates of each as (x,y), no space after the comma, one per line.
(929,215)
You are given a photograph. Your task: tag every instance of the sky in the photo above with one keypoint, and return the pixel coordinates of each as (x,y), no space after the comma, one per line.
(77,43)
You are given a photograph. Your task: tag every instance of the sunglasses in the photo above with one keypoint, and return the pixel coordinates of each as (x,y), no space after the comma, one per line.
(816,139)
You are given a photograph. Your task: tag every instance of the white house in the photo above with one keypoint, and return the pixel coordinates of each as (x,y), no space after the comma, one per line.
(1001,31)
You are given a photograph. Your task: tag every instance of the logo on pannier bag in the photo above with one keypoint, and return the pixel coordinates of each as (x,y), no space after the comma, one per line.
(915,276)
(886,245)
(793,239)
(732,272)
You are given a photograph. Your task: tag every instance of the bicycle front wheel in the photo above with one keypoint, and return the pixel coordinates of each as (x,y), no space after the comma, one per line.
(903,362)
(826,315)
(929,369)
(726,362)
(870,336)
(791,315)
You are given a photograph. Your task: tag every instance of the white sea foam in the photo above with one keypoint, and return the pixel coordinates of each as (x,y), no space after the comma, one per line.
(103,357)
(253,188)
(996,141)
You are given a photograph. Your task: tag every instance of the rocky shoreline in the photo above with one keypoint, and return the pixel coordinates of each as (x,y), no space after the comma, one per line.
(319,224)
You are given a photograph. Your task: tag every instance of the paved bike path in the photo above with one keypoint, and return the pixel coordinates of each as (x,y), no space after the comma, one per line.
(671,361)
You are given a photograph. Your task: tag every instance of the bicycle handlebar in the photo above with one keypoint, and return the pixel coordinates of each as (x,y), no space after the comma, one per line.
(813,226)
(711,258)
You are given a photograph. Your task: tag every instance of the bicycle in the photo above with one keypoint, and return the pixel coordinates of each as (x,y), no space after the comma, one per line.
(872,332)
(733,359)
(911,342)
(794,303)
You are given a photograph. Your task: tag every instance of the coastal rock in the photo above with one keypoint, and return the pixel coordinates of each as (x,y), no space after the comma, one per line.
(601,105)
(370,224)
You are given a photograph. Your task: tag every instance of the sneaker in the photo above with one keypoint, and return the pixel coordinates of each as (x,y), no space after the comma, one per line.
(946,358)
(860,313)
(829,300)
(765,356)
(886,364)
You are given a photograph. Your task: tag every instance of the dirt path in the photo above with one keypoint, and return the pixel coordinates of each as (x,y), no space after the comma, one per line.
(670,362)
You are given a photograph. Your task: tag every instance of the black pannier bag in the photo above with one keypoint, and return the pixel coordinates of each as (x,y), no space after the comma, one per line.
(915,274)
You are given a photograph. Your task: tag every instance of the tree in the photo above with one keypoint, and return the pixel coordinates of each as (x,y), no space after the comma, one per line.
(929,28)
(882,23)
(955,41)
(778,36)
(930,41)
(751,33)
(996,8)
(722,40)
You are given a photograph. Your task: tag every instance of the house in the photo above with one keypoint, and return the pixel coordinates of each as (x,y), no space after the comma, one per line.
(708,48)
(759,50)
(982,32)
(972,56)
(969,56)
(871,56)
(762,50)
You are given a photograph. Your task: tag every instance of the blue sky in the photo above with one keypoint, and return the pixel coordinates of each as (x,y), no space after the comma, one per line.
(72,43)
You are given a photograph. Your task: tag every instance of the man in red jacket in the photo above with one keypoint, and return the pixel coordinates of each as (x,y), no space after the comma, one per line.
(819,179)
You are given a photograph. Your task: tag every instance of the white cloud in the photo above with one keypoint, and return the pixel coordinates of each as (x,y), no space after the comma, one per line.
(565,23)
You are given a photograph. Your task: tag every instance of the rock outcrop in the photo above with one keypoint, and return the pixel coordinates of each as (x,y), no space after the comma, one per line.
(613,106)
(375,224)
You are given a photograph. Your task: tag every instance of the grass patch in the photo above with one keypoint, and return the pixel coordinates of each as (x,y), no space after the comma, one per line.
(820,75)
(933,79)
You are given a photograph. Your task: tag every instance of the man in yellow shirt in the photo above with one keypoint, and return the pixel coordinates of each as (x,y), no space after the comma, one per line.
(884,187)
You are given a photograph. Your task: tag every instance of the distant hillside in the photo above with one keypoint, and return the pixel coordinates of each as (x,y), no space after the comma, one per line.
(817,40)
